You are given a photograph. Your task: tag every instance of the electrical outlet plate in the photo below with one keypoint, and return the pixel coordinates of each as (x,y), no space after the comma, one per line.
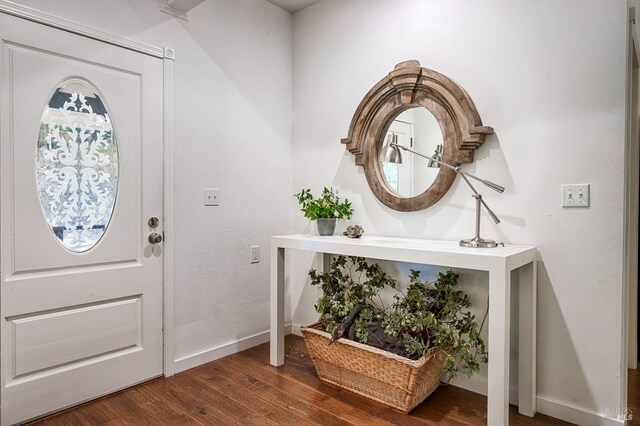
(211,197)
(575,195)
(255,254)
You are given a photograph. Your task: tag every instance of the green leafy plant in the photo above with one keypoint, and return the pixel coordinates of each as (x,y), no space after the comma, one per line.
(348,283)
(429,316)
(327,205)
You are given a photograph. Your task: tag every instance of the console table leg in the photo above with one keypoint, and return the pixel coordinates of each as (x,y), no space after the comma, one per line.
(277,306)
(498,380)
(527,340)
(323,262)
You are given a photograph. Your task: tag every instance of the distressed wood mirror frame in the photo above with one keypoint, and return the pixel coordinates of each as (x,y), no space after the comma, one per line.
(408,86)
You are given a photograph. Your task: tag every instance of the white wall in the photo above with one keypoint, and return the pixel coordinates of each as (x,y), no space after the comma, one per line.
(549,76)
(232,89)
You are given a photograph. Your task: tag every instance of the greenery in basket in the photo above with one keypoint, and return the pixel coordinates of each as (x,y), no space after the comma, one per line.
(327,205)
(429,316)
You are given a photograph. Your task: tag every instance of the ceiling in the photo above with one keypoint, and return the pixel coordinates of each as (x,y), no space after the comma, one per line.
(293,5)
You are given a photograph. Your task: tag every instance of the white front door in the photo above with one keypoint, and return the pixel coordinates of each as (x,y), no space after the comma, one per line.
(81,151)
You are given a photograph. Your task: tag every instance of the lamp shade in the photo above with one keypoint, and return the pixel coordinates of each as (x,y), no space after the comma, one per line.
(391,153)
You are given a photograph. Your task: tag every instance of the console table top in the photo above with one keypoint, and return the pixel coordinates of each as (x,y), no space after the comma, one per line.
(445,253)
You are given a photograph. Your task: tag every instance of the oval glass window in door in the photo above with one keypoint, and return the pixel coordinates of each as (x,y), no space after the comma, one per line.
(77,165)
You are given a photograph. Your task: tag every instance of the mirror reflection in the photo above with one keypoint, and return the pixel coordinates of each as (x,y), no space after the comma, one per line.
(417,129)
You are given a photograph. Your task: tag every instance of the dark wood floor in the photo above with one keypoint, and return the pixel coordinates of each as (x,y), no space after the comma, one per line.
(633,397)
(243,389)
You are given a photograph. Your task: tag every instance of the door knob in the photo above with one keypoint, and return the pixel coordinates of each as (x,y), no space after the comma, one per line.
(155,238)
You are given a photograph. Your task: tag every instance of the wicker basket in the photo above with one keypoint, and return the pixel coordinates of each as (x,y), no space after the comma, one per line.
(382,376)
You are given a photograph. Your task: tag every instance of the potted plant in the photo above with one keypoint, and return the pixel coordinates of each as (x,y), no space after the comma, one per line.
(325,209)
(393,352)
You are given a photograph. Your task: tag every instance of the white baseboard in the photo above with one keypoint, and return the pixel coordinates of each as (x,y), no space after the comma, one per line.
(556,409)
(295,329)
(577,415)
(212,354)
(549,407)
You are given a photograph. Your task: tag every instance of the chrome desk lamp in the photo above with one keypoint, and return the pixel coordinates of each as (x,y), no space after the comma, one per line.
(391,154)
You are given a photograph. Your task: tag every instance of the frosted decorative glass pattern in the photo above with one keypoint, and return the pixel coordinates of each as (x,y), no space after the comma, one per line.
(390,171)
(77,165)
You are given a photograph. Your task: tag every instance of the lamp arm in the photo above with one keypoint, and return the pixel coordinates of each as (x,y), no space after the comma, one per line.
(442,163)
(479,197)
(464,175)
(490,184)
(473,189)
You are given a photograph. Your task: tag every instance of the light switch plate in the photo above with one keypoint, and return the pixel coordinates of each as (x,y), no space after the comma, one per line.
(575,195)
(255,254)
(211,197)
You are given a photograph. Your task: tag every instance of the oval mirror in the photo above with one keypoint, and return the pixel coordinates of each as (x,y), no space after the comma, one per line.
(77,165)
(418,129)
(422,110)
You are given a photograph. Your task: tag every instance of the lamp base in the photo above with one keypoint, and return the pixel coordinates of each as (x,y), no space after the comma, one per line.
(480,243)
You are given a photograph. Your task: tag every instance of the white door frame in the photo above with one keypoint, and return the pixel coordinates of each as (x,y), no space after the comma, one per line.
(168,56)
(631,211)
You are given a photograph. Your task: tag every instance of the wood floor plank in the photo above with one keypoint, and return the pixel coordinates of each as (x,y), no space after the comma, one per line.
(232,409)
(633,397)
(230,387)
(161,406)
(70,419)
(279,393)
(312,394)
(244,389)
(161,409)
(131,411)
(230,382)
(98,413)
(199,410)
(259,420)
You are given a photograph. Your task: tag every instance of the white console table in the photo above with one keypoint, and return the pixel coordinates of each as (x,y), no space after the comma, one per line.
(500,263)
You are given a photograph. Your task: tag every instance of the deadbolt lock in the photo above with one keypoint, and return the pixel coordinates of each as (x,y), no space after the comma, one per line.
(153,222)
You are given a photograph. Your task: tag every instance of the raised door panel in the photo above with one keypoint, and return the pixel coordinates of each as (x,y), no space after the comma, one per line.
(39,73)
